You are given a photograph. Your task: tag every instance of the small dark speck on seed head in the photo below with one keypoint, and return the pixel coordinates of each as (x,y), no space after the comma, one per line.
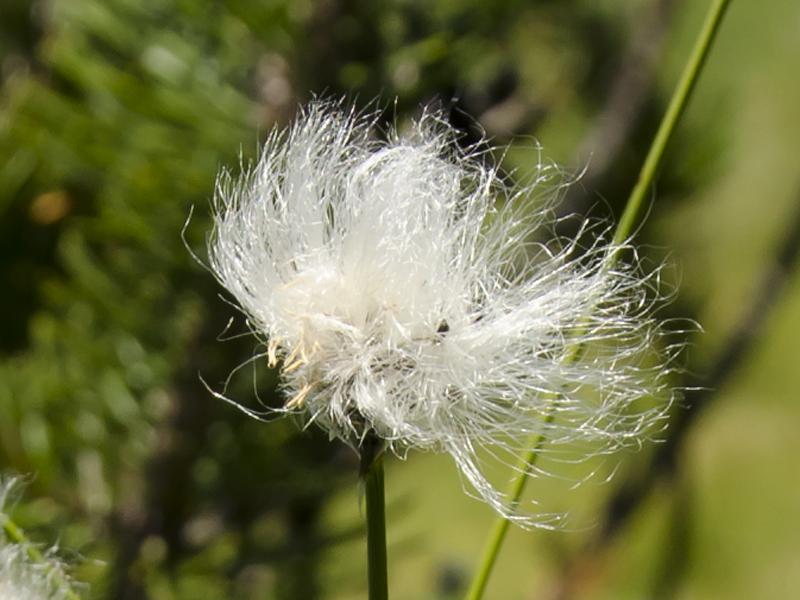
(443,327)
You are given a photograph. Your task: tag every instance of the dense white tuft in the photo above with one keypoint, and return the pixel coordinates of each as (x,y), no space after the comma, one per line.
(23,577)
(409,292)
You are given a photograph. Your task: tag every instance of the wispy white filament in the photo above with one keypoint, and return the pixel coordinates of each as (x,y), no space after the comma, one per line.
(406,291)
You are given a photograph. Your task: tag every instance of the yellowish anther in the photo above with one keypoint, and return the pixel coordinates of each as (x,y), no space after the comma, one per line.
(272,351)
(299,397)
(292,358)
(296,364)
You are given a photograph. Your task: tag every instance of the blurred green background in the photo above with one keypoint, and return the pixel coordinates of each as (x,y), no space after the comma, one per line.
(115,116)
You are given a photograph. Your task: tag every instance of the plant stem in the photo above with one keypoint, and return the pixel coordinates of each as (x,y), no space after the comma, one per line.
(677,104)
(17,536)
(372,472)
(630,217)
(500,528)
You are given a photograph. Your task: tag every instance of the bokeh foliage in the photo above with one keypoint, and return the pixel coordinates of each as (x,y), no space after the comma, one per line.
(115,117)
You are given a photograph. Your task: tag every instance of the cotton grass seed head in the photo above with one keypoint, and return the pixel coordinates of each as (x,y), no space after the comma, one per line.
(22,577)
(408,292)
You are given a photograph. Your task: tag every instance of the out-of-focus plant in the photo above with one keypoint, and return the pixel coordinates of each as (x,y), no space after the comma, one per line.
(111,131)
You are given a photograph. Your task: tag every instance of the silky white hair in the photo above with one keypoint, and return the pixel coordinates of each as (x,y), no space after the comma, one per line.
(407,292)
(22,577)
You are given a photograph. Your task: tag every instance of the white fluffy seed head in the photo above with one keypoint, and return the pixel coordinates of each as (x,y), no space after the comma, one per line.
(407,292)
(22,577)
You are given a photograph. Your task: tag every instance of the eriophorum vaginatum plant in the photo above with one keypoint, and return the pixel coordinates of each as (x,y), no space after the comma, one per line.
(411,295)
(23,578)
(27,573)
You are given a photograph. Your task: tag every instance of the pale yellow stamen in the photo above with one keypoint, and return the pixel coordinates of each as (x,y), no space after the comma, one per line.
(292,359)
(299,397)
(272,351)
(293,366)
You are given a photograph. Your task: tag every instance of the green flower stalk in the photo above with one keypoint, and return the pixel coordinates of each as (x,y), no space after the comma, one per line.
(624,230)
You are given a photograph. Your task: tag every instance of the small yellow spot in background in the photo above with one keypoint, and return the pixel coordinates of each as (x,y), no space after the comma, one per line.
(50,207)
